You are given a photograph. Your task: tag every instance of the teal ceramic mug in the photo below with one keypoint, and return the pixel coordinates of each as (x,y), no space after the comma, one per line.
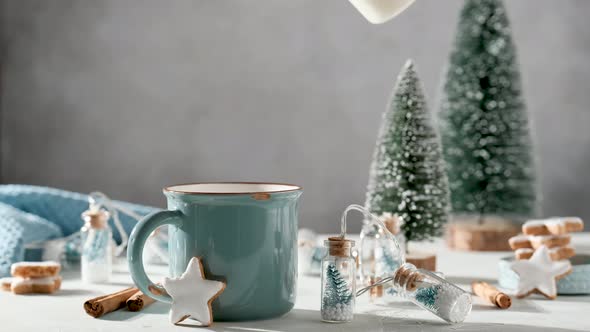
(245,234)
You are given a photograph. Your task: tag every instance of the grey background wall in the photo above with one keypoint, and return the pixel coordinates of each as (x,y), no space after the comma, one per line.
(128,96)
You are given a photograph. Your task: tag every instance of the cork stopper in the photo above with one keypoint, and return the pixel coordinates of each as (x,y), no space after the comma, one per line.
(96,218)
(339,247)
(408,277)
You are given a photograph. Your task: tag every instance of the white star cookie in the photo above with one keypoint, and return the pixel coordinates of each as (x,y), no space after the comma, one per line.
(192,294)
(539,274)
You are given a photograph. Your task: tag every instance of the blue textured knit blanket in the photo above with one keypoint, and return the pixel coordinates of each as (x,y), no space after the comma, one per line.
(30,214)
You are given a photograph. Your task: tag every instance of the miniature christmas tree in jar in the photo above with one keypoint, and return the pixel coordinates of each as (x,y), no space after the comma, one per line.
(422,287)
(432,293)
(338,281)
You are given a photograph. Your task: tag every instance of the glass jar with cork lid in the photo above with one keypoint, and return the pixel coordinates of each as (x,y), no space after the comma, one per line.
(96,260)
(338,281)
(432,293)
(424,288)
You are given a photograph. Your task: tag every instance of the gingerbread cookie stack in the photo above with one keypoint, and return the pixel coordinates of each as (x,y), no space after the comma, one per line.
(552,233)
(33,277)
(542,254)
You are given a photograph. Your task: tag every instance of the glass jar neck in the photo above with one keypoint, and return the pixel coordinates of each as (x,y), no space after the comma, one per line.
(407,278)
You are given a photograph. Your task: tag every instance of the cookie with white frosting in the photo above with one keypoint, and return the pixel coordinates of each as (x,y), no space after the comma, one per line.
(18,285)
(192,294)
(35,269)
(539,274)
(553,226)
(550,241)
(556,254)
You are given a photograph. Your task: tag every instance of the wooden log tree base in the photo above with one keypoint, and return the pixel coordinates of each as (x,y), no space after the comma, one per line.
(492,235)
(422,260)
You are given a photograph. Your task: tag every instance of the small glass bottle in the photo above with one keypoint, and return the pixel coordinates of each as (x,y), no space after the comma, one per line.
(379,257)
(338,281)
(96,262)
(432,293)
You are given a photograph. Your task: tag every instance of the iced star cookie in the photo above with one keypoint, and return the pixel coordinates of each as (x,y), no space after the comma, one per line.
(539,274)
(46,285)
(5,283)
(17,285)
(535,241)
(550,241)
(553,226)
(35,269)
(556,254)
(192,294)
(519,241)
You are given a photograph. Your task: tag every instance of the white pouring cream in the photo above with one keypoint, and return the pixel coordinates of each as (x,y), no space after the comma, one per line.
(380,11)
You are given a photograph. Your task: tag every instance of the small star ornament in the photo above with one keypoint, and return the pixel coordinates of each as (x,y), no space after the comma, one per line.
(539,274)
(192,294)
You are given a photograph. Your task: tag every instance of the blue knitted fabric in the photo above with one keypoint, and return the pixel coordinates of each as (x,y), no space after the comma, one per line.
(18,228)
(31,213)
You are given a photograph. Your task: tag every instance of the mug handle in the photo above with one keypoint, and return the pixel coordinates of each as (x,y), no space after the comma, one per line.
(137,239)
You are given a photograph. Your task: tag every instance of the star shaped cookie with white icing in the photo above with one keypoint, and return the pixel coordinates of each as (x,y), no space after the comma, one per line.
(192,294)
(539,274)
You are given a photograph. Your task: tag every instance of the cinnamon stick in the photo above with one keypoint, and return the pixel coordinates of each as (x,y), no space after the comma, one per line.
(102,305)
(138,300)
(491,294)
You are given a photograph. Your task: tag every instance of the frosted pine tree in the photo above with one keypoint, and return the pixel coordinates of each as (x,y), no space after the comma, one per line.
(337,290)
(484,125)
(407,175)
(337,296)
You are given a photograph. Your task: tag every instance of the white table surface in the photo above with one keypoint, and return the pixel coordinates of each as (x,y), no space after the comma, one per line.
(63,311)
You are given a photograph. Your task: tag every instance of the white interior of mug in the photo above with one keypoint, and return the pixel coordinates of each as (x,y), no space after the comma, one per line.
(231,188)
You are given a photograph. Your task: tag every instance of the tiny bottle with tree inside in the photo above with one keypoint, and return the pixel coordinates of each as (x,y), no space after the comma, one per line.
(96,260)
(432,293)
(338,281)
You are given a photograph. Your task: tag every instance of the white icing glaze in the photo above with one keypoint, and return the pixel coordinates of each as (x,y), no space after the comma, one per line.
(536,238)
(191,294)
(535,222)
(520,251)
(17,281)
(553,221)
(519,238)
(6,281)
(565,220)
(28,264)
(539,273)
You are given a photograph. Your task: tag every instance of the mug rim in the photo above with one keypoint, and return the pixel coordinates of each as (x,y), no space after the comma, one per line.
(168,189)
